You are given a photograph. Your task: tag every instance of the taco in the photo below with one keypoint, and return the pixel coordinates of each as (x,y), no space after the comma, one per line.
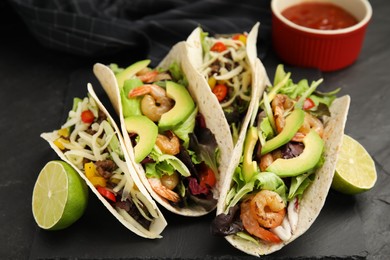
(229,66)
(91,143)
(172,131)
(282,167)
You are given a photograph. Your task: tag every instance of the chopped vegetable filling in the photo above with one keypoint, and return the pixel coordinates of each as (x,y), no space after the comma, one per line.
(88,140)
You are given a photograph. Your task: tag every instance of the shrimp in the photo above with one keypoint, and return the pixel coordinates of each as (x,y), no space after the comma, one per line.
(268,158)
(170,180)
(168,144)
(279,105)
(265,161)
(150,76)
(155,101)
(162,190)
(268,208)
(253,227)
(310,122)
(147,76)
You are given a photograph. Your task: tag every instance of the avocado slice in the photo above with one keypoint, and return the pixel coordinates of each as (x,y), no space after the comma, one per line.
(307,160)
(249,167)
(130,71)
(293,122)
(184,105)
(147,132)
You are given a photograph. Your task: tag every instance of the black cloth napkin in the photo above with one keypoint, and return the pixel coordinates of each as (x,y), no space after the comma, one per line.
(140,27)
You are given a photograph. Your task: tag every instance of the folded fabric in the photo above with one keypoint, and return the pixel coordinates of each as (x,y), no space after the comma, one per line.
(105,27)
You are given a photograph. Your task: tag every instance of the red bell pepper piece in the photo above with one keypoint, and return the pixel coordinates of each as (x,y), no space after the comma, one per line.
(106,193)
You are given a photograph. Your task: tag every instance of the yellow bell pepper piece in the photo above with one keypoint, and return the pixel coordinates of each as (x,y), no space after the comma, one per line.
(240,37)
(64,132)
(59,142)
(90,170)
(212,81)
(114,180)
(93,176)
(98,181)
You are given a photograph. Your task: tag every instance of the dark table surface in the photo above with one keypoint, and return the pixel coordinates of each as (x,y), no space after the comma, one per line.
(36,88)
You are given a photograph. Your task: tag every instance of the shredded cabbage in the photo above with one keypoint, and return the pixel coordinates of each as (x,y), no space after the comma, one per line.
(139,204)
(234,69)
(126,216)
(121,183)
(94,147)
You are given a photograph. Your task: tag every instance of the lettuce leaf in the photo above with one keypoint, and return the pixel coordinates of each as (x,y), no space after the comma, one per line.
(261,180)
(270,181)
(295,90)
(299,184)
(184,129)
(131,106)
(265,130)
(115,68)
(165,164)
(327,100)
(177,74)
(204,144)
(203,39)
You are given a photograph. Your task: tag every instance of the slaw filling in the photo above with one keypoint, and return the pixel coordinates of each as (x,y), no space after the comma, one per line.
(93,147)
(230,67)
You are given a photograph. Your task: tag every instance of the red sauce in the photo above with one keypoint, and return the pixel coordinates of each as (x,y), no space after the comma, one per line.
(322,16)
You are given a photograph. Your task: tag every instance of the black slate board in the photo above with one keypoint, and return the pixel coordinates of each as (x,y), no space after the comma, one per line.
(336,233)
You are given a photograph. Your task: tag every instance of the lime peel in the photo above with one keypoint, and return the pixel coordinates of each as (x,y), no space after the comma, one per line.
(60,196)
(355,169)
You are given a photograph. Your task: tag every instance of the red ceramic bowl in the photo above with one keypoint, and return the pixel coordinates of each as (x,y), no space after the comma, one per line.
(327,50)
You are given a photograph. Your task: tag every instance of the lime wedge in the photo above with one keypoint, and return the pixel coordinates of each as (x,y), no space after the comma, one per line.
(355,169)
(60,196)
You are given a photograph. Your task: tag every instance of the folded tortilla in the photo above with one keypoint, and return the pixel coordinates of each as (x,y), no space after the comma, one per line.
(207,106)
(253,65)
(314,196)
(129,180)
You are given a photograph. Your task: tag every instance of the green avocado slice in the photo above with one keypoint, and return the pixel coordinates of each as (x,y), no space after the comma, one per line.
(184,105)
(130,71)
(306,161)
(249,168)
(293,122)
(147,131)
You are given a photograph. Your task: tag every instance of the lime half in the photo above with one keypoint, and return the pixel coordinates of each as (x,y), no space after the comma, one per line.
(355,169)
(60,196)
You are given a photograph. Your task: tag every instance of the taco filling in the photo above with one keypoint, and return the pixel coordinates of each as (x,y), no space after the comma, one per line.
(283,149)
(226,68)
(171,141)
(89,142)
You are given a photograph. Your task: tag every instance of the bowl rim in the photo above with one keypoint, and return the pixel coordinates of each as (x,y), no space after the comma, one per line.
(353,28)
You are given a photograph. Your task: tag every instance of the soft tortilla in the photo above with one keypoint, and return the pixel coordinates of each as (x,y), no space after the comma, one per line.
(314,197)
(159,224)
(195,51)
(207,106)
(259,81)
(259,75)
